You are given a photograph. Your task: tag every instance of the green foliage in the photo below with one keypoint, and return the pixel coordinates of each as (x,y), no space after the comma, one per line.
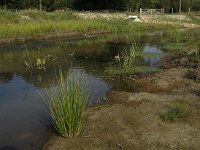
(197,50)
(127,62)
(175,113)
(175,47)
(35,62)
(134,5)
(67,103)
(174,35)
(115,70)
(31,23)
(196,5)
(128,58)
(8,17)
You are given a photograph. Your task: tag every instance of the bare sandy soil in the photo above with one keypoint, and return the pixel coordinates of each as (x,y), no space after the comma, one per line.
(132,120)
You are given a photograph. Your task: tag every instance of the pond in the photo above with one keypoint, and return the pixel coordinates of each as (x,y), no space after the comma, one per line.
(25,123)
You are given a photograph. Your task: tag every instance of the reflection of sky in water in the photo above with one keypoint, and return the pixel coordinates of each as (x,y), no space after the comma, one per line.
(21,111)
(152,54)
(96,86)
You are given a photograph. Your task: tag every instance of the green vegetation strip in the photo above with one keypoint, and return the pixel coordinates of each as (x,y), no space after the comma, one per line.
(115,70)
(26,24)
(67,103)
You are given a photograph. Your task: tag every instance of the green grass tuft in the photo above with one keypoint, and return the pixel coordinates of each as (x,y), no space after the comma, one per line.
(174,35)
(67,103)
(115,70)
(127,62)
(175,113)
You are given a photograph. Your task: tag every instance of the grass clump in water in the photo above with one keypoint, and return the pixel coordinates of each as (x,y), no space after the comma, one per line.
(67,103)
(175,113)
(174,35)
(127,62)
(35,62)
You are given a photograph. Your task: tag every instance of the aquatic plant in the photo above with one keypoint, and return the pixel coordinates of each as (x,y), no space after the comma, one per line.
(115,70)
(36,61)
(126,61)
(128,57)
(67,103)
(175,113)
(197,51)
(174,35)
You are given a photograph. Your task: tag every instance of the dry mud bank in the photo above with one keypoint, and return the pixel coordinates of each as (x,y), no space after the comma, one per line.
(132,120)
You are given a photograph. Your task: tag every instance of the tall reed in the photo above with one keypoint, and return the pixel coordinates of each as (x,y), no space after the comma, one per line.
(174,35)
(67,103)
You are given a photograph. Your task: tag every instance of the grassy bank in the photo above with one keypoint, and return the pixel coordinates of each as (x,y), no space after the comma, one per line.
(31,23)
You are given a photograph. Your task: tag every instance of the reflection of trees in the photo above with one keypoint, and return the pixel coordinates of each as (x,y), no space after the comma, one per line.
(91,60)
(91,54)
(5,77)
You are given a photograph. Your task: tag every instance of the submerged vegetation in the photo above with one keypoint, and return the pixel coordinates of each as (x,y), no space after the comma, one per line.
(67,103)
(175,113)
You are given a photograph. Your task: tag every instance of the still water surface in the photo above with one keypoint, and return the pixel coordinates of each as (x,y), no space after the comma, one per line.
(24,122)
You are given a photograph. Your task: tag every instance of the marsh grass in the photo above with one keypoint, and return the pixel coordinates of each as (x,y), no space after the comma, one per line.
(126,62)
(49,26)
(115,70)
(170,47)
(67,103)
(174,35)
(36,23)
(176,112)
(35,62)
(197,51)
(128,57)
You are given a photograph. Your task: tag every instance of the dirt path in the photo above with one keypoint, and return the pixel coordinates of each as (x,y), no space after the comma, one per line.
(132,120)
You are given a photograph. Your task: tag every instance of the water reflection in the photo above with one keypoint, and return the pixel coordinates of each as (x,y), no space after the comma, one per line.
(24,121)
(152,54)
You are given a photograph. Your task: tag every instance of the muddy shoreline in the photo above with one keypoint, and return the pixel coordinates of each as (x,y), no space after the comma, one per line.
(50,36)
(132,120)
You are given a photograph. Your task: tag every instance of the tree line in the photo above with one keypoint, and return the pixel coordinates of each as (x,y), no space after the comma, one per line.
(123,5)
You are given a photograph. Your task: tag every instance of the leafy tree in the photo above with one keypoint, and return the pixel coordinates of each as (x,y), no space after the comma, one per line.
(134,5)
